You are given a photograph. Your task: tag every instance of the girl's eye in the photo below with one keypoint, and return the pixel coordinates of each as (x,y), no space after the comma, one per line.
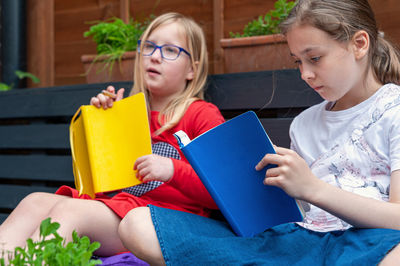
(297,62)
(315,59)
(171,49)
(148,47)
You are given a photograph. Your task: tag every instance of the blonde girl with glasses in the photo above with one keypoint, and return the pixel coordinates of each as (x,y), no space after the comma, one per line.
(344,161)
(171,69)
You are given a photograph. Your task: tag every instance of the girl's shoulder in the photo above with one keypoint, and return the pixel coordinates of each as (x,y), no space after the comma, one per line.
(200,104)
(312,111)
(202,107)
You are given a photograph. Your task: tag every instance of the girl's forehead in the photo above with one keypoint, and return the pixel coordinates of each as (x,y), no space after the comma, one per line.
(171,32)
(306,37)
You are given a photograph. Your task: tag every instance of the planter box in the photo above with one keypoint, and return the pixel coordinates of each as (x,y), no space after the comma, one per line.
(96,73)
(258,53)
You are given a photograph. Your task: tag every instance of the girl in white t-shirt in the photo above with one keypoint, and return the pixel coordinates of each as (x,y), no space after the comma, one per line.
(344,163)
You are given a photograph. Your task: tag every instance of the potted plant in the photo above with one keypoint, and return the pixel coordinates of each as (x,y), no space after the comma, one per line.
(261,43)
(116,43)
(52,249)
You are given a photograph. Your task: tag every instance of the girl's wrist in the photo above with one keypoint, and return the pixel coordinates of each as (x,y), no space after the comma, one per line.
(316,191)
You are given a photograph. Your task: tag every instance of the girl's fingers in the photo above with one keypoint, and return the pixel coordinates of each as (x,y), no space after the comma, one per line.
(120,94)
(95,102)
(272,172)
(282,151)
(273,181)
(269,158)
(111,89)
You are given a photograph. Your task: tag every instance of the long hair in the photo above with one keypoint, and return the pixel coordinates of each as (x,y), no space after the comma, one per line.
(194,90)
(341,20)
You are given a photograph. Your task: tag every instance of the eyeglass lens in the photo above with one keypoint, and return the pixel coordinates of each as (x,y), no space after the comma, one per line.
(167,51)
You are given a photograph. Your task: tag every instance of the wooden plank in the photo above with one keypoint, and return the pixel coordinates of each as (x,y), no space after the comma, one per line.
(40,36)
(124,10)
(218,32)
(256,90)
(50,102)
(277,130)
(37,167)
(47,136)
(11,195)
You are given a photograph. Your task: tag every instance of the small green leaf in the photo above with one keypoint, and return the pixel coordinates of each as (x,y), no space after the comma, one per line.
(4,87)
(22,74)
(47,227)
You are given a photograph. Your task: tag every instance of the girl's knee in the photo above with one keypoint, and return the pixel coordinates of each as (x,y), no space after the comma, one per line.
(133,222)
(34,201)
(392,258)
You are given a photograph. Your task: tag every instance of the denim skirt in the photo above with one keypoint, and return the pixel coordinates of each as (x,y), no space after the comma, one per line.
(189,239)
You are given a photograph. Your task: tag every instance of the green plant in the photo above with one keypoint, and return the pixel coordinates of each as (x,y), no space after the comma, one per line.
(269,24)
(20,75)
(114,37)
(51,249)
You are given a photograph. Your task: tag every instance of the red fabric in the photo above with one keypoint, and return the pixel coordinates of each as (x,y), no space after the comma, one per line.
(184,192)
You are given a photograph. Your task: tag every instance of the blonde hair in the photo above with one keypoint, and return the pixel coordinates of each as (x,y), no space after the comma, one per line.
(196,46)
(341,20)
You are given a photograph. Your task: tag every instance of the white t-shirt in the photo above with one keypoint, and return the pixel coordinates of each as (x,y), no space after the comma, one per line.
(355,149)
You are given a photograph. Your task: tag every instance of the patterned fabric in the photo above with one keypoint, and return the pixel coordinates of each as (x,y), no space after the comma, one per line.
(355,165)
(163,149)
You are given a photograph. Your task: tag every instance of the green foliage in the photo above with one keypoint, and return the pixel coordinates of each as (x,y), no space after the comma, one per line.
(20,75)
(269,24)
(52,249)
(114,37)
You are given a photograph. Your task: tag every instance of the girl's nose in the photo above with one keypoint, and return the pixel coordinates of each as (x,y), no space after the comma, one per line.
(156,54)
(306,73)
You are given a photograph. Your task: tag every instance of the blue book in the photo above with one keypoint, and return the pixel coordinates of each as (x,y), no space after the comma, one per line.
(225,158)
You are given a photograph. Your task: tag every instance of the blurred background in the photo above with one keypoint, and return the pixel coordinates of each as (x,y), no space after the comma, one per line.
(45,37)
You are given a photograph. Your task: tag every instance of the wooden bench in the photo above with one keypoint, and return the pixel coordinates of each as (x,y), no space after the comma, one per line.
(34,142)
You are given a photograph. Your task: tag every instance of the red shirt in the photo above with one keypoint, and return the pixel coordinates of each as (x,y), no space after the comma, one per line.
(184,192)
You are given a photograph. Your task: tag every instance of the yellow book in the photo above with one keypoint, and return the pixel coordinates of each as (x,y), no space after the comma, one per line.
(106,143)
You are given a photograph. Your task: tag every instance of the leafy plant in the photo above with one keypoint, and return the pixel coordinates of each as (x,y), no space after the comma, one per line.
(20,75)
(269,24)
(114,37)
(52,249)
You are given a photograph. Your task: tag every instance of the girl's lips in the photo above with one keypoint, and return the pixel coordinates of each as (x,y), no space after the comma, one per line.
(318,88)
(152,71)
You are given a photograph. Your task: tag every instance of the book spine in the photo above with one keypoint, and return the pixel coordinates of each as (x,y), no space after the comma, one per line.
(86,128)
(202,175)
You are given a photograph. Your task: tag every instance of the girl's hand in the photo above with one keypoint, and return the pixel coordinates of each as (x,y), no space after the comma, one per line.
(292,173)
(154,167)
(104,101)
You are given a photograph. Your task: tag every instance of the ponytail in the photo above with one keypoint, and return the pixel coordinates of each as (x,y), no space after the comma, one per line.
(386,61)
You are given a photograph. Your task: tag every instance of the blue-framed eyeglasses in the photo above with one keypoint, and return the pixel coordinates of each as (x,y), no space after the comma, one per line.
(168,51)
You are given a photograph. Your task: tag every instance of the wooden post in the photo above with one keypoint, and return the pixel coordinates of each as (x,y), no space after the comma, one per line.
(40,41)
(218,16)
(124,10)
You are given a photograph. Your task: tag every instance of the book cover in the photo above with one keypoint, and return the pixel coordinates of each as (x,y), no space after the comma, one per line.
(224,158)
(106,143)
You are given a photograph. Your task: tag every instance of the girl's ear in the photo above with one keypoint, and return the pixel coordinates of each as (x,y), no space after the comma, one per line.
(360,43)
(192,71)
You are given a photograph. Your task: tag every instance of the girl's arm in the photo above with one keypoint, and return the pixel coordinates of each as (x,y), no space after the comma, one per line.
(295,177)
(360,211)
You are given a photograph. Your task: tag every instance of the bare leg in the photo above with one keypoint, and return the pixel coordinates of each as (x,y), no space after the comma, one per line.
(88,217)
(138,235)
(26,218)
(393,258)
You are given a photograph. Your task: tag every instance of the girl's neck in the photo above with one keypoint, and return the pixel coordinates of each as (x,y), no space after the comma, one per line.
(365,89)
(159,103)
